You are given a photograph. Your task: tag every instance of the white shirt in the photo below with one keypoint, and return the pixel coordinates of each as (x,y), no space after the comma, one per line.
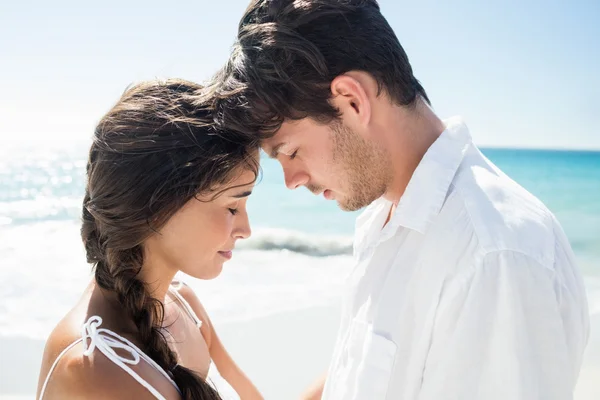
(469,292)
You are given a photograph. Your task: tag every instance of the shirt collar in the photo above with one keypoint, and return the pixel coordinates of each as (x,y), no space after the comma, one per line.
(427,189)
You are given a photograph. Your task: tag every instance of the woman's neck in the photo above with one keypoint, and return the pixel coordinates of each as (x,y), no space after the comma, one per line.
(157,275)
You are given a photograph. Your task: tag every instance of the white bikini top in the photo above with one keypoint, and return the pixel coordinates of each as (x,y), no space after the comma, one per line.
(107,341)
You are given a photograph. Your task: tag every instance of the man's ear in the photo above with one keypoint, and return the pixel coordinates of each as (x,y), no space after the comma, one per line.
(350,97)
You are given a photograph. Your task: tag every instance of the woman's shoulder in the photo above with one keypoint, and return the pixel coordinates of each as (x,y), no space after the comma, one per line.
(61,349)
(194,302)
(93,375)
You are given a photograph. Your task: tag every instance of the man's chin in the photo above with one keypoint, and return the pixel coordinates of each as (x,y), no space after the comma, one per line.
(356,204)
(349,207)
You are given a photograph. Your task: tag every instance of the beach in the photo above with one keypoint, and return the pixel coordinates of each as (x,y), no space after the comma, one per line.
(282,353)
(276,304)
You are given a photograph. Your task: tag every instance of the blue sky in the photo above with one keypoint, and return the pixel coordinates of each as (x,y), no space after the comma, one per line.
(522,73)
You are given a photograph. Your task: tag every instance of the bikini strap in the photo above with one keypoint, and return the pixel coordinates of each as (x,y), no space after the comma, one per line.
(174,289)
(107,341)
(55,363)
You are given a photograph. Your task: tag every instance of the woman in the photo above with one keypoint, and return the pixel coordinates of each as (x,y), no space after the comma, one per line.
(166,192)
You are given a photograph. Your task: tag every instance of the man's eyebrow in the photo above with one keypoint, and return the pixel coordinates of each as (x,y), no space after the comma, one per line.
(275,150)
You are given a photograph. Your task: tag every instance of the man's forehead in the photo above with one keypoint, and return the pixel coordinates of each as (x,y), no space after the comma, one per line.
(272,146)
(286,133)
(272,141)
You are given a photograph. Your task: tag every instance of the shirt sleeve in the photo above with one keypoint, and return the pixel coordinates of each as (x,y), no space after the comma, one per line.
(499,334)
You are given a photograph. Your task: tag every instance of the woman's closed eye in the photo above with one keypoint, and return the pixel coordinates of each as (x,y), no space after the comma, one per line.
(293,155)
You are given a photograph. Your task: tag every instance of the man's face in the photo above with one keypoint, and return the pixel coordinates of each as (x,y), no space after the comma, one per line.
(332,160)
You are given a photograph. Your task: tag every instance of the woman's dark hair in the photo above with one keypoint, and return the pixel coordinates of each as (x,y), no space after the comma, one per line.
(288,52)
(156,149)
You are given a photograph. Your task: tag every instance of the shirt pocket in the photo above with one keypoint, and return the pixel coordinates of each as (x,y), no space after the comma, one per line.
(369,364)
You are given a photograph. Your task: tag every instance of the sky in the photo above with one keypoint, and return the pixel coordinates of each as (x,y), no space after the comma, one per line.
(522,73)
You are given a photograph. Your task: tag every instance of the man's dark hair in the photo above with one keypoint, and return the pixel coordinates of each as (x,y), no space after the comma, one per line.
(288,52)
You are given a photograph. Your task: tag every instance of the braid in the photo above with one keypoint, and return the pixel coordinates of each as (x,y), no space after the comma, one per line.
(146,311)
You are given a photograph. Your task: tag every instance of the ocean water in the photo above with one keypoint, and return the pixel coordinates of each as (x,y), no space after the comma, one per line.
(297,257)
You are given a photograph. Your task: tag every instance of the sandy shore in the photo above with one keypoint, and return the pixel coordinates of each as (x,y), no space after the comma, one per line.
(282,353)
(20,360)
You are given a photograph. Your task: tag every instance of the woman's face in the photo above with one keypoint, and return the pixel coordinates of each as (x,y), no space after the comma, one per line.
(201,236)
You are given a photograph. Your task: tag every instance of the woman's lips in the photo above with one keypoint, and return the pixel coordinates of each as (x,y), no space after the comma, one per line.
(226,254)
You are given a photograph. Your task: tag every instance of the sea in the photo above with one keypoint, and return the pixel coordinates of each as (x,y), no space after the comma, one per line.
(298,255)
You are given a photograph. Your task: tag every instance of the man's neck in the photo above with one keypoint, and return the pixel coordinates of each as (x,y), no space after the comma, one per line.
(412,131)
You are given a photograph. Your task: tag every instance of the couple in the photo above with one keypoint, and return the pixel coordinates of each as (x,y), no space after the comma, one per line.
(464,286)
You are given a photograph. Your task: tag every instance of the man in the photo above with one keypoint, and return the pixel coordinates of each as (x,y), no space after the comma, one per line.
(465,286)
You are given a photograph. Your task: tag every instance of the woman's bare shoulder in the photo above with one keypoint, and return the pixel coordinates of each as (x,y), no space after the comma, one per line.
(94,376)
(190,296)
